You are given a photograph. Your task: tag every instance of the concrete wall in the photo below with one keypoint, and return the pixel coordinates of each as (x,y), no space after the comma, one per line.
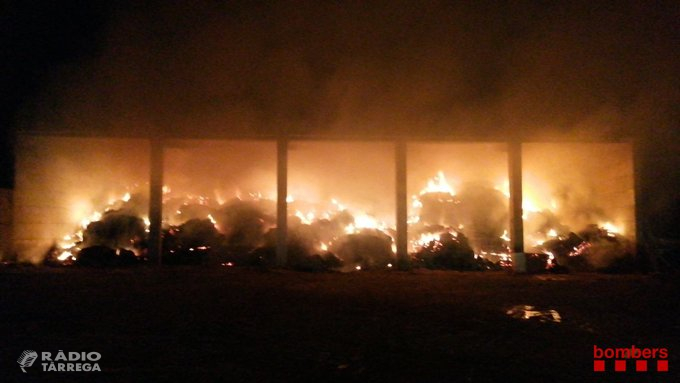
(5,223)
(59,181)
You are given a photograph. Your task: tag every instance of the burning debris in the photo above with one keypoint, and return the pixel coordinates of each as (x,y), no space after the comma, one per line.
(594,248)
(465,230)
(191,242)
(451,250)
(115,237)
(369,249)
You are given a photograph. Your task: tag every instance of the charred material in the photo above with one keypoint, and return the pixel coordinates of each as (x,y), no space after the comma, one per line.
(102,256)
(368,249)
(116,230)
(593,249)
(190,243)
(451,252)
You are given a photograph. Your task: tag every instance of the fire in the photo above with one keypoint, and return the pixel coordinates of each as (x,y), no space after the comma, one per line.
(68,247)
(96,216)
(611,229)
(338,205)
(364,221)
(64,256)
(306,219)
(438,184)
(529,206)
(427,238)
(504,188)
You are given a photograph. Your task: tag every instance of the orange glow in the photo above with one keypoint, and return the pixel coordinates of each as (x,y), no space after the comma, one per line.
(438,184)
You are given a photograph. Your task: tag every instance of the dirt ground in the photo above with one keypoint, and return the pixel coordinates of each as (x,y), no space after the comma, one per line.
(225,324)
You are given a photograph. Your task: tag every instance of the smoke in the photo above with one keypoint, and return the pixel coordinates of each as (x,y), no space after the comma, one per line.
(384,67)
(63,184)
(475,71)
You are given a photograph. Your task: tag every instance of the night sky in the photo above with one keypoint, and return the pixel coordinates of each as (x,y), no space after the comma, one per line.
(535,70)
(37,38)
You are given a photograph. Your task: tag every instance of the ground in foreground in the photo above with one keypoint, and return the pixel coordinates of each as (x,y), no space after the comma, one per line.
(247,325)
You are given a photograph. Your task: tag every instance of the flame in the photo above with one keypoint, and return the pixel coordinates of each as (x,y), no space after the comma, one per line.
(438,184)
(529,206)
(413,219)
(364,221)
(306,219)
(338,205)
(504,188)
(426,238)
(213,221)
(64,256)
(611,228)
(96,216)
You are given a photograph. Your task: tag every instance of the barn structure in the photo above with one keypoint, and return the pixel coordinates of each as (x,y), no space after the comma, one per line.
(63,179)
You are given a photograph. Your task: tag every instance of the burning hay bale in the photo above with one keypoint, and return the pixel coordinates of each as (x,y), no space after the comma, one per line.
(116,230)
(102,256)
(110,241)
(593,249)
(301,255)
(450,252)
(244,223)
(368,249)
(191,242)
(116,239)
(439,208)
(480,210)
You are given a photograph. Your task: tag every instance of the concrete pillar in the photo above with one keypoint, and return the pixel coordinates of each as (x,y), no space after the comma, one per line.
(516,223)
(281,202)
(642,241)
(156,202)
(402,204)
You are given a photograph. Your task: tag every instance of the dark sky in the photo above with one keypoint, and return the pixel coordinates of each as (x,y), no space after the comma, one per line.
(36,38)
(550,69)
